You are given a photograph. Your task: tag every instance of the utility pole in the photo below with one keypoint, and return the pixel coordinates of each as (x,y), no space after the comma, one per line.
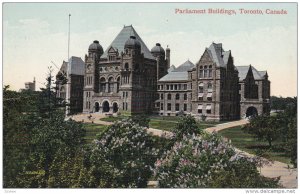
(68,73)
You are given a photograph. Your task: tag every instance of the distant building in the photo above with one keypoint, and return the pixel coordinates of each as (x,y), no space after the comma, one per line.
(29,86)
(75,88)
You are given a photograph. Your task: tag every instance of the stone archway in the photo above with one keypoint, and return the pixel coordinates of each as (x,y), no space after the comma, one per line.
(105,106)
(115,107)
(97,107)
(251,111)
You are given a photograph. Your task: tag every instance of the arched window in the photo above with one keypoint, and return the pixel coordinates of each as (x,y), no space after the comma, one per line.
(177,96)
(201,72)
(102,84)
(126,66)
(205,71)
(111,84)
(169,96)
(118,84)
(210,71)
(185,96)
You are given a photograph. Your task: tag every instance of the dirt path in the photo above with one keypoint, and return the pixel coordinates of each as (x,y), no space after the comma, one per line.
(288,176)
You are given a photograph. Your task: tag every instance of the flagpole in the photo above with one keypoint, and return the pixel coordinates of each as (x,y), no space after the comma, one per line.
(68,73)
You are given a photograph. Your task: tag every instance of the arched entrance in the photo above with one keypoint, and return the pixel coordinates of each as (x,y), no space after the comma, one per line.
(105,106)
(97,107)
(115,107)
(251,111)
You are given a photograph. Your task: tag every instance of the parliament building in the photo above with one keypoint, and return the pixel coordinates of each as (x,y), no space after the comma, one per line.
(129,78)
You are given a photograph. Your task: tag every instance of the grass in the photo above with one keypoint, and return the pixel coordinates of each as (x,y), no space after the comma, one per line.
(92,130)
(167,123)
(248,143)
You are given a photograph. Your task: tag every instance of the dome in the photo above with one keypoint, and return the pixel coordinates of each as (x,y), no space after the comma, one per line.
(96,47)
(157,49)
(132,42)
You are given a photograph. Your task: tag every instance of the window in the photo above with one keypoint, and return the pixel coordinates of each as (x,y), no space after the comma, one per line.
(118,84)
(175,87)
(201,72)
(171,87)
(161,96)
(177,107)
(208,109)
(126,68)
(209,87)
(102,84)
(201,87)
(168,87)
(158,104)
(185,96)
(169,106)
(177,96)
(184,107)
(200,108)
(179,87)
(185,86)
(210,71)
(169,96)
(161,106)
(111,84)
(205,71)
(209,96)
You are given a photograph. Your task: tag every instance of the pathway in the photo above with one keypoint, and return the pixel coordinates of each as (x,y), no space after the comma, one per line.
(288,176)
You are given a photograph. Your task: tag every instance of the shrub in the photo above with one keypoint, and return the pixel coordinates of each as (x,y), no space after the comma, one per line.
(207,161)
(122,156)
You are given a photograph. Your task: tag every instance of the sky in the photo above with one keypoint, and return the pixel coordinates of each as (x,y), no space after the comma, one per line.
(34,34)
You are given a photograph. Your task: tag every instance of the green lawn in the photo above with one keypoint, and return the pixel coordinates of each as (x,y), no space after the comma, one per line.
(246,142)
(92,130)
(167,123)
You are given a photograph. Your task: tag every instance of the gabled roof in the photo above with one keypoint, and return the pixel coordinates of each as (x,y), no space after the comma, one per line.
(188,65)
(76,68)
(180,73)
(262,73)
(243,71)
(123,36)
(171,68)
(216,51)
(256,74)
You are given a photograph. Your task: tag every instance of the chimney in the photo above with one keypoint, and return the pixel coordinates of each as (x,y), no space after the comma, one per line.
(168,56)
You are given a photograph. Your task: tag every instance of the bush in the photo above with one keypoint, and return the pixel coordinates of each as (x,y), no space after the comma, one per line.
(186,126)
(206,162)
(122,157)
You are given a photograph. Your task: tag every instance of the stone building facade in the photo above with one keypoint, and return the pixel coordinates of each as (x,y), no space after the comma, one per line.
(254,91)
(75,82)
(214,88)
(127,77)
(124,77)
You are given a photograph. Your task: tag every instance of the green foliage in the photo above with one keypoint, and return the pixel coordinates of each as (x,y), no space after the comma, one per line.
(141,119)
(264,128)
(241,173)
(121,157)
(186,126)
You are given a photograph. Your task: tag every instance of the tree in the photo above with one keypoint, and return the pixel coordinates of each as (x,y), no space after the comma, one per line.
(264,127)
(207,161)
(186,126)
(122,156)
